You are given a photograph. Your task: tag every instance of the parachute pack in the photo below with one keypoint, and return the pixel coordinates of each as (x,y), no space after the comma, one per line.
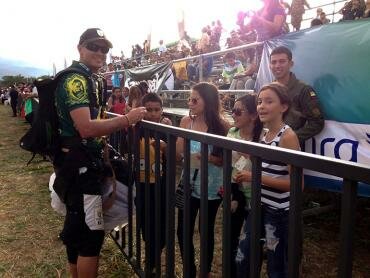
(43,137)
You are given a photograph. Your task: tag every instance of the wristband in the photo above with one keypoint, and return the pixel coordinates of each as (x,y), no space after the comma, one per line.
(127,119)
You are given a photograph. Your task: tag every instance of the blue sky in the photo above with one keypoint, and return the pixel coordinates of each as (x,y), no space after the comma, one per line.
(41,32)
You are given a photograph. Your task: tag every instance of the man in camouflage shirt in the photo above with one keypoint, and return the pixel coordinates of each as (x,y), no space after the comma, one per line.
(305,116)
(79,167)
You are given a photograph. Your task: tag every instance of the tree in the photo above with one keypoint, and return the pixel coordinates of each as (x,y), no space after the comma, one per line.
(44,77)
(9,80)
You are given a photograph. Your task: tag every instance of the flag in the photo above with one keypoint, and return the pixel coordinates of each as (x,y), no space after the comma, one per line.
(149,38)
(154,75)
(181,23)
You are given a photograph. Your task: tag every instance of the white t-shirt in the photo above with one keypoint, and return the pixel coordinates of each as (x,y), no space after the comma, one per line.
(162,48)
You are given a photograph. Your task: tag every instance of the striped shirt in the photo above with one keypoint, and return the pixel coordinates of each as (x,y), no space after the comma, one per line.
(274,198)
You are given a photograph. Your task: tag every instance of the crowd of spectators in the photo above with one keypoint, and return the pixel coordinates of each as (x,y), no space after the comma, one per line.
(268,22)
(355,9)
(19,97)
(264,24)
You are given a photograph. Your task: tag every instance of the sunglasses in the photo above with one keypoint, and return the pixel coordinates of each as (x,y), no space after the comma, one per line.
(153,109)
(193,100)
(237,112)
(95,48)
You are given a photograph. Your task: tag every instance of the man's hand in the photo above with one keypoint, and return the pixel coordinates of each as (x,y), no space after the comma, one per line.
(136,115)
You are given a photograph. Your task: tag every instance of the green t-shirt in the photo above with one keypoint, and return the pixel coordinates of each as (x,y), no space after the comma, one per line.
(28,106)
(73,92)
(239,162)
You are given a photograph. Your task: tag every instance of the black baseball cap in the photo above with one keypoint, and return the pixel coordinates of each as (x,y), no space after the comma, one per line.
(94,34)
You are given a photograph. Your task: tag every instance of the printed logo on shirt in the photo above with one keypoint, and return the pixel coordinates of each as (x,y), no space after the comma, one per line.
(76,86)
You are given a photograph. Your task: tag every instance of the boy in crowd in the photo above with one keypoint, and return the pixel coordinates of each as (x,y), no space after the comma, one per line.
(153,104)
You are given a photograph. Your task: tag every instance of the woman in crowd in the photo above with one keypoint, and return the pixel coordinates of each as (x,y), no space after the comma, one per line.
(272,107)
(248,127)
(269,22)
(116,102)
(204,116)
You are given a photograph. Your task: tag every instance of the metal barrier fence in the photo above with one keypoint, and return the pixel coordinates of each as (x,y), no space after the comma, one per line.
(332,14)
(205,55)
(351,173)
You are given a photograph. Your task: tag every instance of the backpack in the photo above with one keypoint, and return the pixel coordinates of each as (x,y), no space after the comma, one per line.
(43,137)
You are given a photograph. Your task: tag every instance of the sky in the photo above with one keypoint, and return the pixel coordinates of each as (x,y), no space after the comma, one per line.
(42,32)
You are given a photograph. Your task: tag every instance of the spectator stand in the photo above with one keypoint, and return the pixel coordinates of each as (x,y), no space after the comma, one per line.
(178,98)
(174,100)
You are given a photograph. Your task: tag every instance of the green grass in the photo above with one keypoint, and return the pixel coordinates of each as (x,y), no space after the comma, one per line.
(29,228)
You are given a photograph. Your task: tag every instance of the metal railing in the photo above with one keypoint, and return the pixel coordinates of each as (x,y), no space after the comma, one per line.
(200,57)
(352,173)
(305,19)
(332,14)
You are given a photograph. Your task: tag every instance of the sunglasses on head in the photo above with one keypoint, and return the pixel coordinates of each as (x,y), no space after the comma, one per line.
(153,109)
(237,111)
(95,48)
(193,100)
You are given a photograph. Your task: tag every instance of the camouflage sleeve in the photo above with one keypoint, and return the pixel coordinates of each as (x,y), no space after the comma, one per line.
(311,110)
(76,91)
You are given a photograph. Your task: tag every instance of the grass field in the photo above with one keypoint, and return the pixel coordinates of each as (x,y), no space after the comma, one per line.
(29,245)
(29,228)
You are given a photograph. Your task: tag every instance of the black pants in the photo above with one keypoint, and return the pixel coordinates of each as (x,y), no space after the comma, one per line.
(237,220)
(13,104)
(149,236)
(83,231)
(194,207)
(29,118)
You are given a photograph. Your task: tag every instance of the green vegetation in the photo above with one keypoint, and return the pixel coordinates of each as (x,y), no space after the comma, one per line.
(29,228)
(8,80)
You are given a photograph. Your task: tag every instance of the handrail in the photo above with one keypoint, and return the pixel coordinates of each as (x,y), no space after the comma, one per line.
(205,55)
(356,171)
(351,172)
(202,56)
(328,165)
(324,5)
(220,91)
(219,52)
